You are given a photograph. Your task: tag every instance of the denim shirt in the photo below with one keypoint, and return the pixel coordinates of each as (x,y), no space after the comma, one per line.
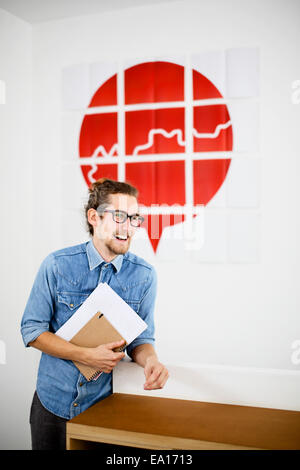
(65,279)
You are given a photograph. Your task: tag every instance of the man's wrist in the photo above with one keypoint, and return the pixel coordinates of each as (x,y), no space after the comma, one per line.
(84,356)
(152,358)
(144,353)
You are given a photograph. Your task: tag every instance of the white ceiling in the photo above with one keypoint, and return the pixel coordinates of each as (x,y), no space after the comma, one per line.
(36,11)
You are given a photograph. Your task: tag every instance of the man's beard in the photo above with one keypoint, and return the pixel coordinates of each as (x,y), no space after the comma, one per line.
(112,244)
(117,248)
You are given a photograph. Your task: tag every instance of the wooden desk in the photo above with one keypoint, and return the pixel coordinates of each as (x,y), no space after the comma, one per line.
(165,423)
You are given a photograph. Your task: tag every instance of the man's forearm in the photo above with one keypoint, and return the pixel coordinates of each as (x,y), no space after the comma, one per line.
(142,352)
(53,345)
(102,357)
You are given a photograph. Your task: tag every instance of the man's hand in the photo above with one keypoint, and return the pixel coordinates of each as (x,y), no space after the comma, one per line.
(103,357)
(156,374)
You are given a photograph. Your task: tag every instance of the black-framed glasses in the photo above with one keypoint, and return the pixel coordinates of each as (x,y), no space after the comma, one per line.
(120,217)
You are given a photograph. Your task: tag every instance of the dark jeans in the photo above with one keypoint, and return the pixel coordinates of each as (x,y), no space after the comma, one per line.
(48,431)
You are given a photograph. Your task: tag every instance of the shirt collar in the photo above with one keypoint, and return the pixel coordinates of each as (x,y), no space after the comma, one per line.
(95,259)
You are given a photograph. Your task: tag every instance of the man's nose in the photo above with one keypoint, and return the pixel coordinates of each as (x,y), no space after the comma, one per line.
(126,225)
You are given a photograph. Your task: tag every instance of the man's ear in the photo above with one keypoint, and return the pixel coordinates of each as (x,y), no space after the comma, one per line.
(93,217)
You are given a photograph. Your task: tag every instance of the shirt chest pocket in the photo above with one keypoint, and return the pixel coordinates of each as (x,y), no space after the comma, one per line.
(134,304)
(67,304)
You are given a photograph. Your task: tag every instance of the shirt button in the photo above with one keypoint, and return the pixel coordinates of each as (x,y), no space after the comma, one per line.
(75,404)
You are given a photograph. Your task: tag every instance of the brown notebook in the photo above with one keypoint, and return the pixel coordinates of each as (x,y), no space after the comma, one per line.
(98,330)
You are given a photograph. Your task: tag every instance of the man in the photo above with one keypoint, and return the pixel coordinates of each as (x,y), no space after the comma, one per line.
(65,279)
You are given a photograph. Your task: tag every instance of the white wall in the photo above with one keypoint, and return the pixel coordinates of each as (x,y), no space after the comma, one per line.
(16,226)
(243,314)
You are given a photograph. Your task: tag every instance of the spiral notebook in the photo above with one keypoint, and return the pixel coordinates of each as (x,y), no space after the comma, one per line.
(95,332)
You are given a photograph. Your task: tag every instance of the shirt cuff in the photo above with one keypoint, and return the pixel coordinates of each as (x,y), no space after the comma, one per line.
(137,342)
(29,334)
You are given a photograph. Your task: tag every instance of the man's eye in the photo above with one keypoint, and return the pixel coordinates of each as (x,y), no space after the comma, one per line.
(119,215)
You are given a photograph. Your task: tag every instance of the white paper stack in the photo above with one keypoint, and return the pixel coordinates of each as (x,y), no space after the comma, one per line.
(104,299)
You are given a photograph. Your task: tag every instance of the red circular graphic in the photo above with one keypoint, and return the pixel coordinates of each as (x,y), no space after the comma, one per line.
(158,132)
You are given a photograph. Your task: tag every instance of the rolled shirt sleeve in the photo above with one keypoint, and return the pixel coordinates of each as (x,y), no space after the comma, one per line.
(40,305)
(146,312)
